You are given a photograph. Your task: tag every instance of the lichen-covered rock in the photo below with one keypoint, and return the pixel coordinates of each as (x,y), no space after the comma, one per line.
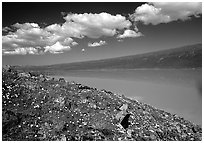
(36,107)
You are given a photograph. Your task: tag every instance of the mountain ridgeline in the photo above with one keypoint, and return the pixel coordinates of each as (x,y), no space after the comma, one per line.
(183,57)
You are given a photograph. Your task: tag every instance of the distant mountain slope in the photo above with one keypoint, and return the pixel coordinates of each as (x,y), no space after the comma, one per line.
(182,57)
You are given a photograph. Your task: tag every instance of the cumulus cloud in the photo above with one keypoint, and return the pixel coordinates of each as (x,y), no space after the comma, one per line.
(57,38)
(6,29)
(29,38)
(96,44)
(21,51)
(165,12)
(57,48)
(130,33)
(26,25)
(90,25)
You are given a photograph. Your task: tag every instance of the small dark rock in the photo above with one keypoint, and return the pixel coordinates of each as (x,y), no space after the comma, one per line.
(62,80)
(107,132)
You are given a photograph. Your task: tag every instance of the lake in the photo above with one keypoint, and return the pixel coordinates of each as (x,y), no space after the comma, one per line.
(176,91)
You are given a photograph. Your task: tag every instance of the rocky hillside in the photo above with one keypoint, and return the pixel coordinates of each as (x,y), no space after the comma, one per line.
(38,107)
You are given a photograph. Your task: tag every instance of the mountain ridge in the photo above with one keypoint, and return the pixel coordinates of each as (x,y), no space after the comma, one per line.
(182,57)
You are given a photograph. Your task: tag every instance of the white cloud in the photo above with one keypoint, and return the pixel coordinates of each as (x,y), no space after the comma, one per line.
(56,48)
(26,25)
(21,51)
(90,25)
(31,35)
(95,25)
(74,43)
(6,29)
(96,44)
(130,33)
(30,38)
(120,40)
(164,12)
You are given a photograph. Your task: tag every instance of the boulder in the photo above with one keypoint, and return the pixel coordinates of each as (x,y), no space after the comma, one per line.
(125,122)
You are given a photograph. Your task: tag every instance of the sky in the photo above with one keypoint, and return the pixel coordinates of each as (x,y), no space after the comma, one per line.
(44,33)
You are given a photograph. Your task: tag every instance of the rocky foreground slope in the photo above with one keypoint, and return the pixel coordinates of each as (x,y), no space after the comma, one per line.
(38,107)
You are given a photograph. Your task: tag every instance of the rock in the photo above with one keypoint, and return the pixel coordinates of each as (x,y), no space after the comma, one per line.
(125,122)
(60,100)
(178,129)
(153,137)
(124,107)
(119,116)
(62,80)
(92,105)
(7,68)
(123,111)
(107,132)
(195,129)
(24,75)
(62,138)
(129,133)
(49,78)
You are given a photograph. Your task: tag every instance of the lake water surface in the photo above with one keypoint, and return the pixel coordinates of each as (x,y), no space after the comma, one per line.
(173,90)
